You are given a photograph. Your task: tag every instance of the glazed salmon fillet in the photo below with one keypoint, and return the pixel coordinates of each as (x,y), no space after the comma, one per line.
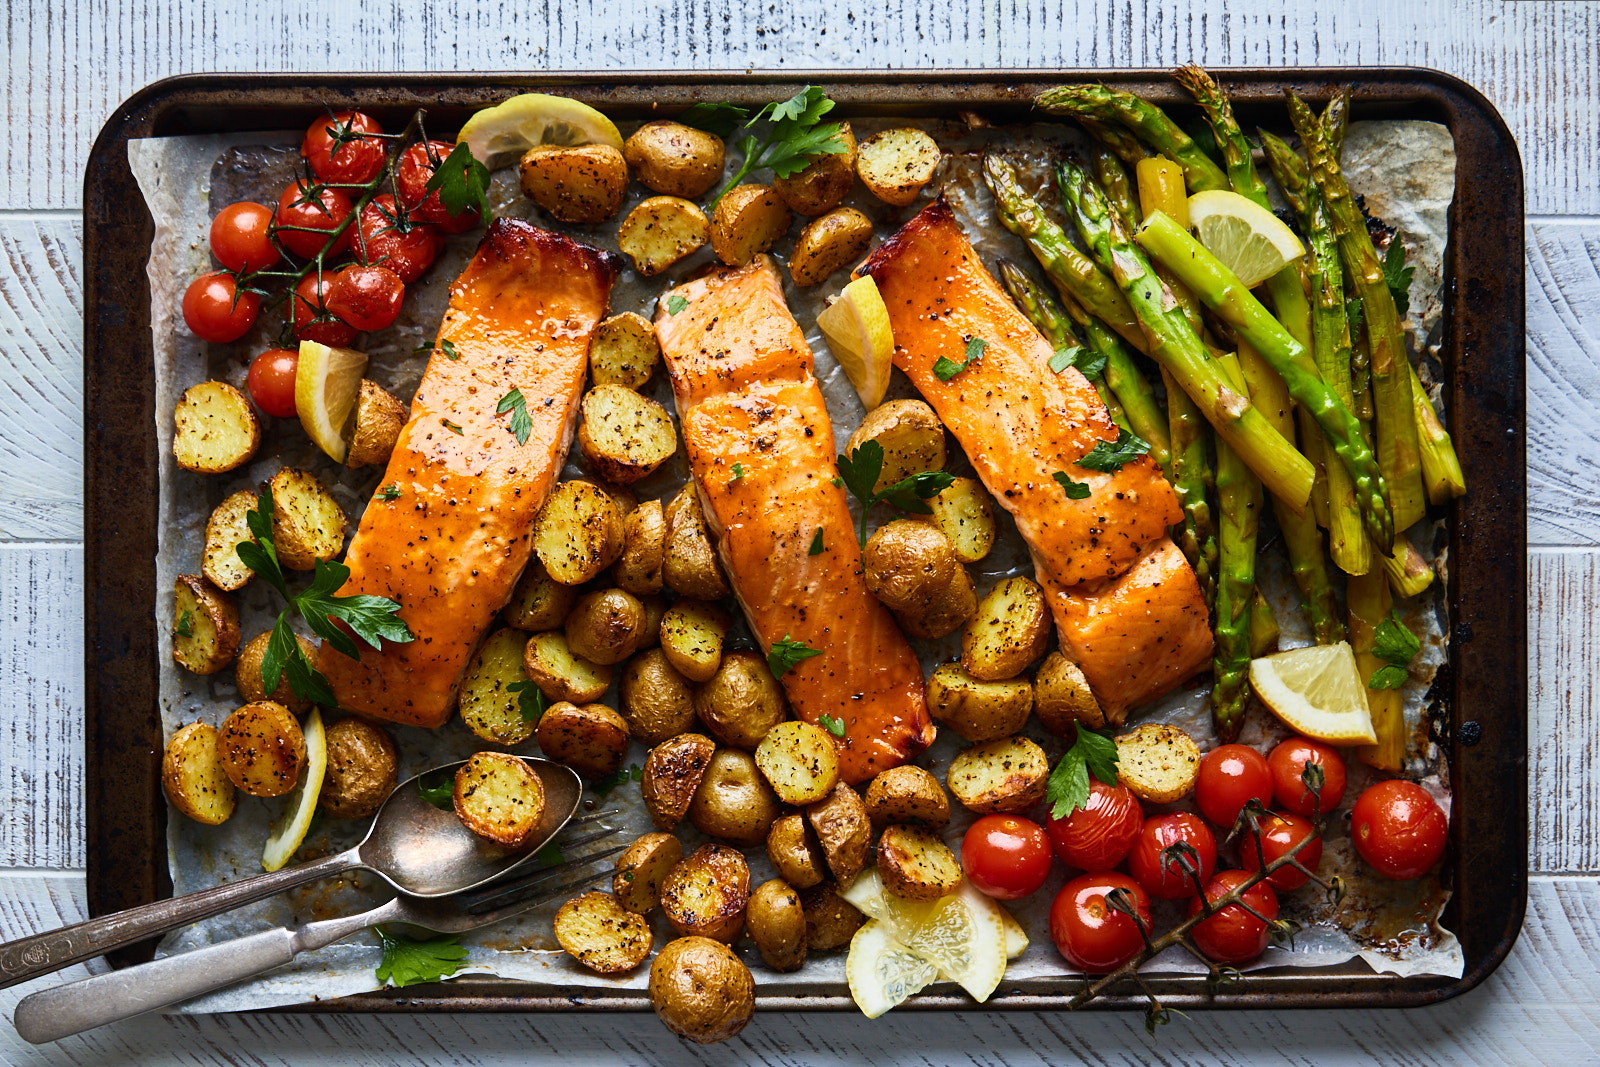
(1021,424)
(742,377)
(451,544)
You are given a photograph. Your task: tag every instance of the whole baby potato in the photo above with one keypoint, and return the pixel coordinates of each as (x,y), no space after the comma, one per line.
(362,769)
(741,702)
(669,157)
(701,990)
(733,802)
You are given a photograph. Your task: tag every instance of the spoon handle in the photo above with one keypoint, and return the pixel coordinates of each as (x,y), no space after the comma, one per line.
(29,957)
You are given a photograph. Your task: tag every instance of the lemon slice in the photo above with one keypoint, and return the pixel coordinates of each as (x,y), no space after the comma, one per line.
(1249,240)
(326,383)
(963,933)
(291,827)
(857,329)
(1016,936)
(501,134)
(882,972)
(1317,691)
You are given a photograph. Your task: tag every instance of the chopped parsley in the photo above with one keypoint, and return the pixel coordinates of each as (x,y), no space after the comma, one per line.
(1090,364)
(816,543)
(389,492)
(186,626)
(1397,275)
(531,702)
(675,303)
(605,785)
(830,724)
(945,368)
(1068,788)
(521,424)
(449,349)
(738,471)
(786,653)
(1074,490)
(452,427)
(1109,456)
(1397,647)
(438,788)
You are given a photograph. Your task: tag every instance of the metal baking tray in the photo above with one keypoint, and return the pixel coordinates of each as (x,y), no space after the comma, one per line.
(1482,687)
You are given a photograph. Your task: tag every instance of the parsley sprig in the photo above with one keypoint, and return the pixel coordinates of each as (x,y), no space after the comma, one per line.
(796,136)
(409,962)
(786,653)
(461,181)
(1068,789)
(531,702)
(1397,647)
(1397,275)
(521,424)
(438,788)
(859,471)
(718,118)
(945,368)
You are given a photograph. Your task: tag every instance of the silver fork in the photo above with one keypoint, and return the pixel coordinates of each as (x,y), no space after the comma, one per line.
(64,1010)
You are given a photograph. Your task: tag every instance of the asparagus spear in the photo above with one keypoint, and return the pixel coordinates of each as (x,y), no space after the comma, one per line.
(1368,597)
(1115,183)
(1193,480)
(1239,502)
(1264,631)
(1409,574)
(1050,320)
(1441,469)
(1149,122)
(1127,383)
(1336,121)
(1124,144)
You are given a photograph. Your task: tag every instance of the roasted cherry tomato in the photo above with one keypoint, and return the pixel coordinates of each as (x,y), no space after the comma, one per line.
(355,159)
(316,214)
(1280,832)
(1229,776)
(368,298)
(271,381)
(241,238)
(307,305)
(1398,829)
(1287,762)
(1172,880)
(416,169)
(1099,834)
(1005,856)
(406,246)
(1233,935)
(1089,933)
(216,311)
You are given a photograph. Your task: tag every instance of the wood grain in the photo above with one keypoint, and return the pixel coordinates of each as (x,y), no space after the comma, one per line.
(1563,684)
(1564,382)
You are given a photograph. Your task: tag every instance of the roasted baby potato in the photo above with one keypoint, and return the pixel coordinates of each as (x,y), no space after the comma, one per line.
(742,702)
(671,158)
(644,552)
(777,924)
(911,435)
(824,182)
(1158,762)
(907,794)
(691,568)
(621,495)
(954,605)
(733,802)
(247,673)
(1062,699)
(598,932)
(749,219)
(794,853)
(916,864)
(895,164)
(655,609)
(706,893)
(831,920)
(215,429)
(844,831)
(641,869)
(964,513)
(193,776)
(1009,632)
(380,417)
(799,761)
(499,797)
(656,700)
(692,632)
(672,774)
(262,749)
(660,231)
(561,675)
(488,706)
(307,523)
(701,990)
(579,532)
(225,530)
(999,776)
(624,436)
(582,185)
(606,626)
(908,565)
(623,351)
(539,602)
(828,244)
(362,769)
(975,709)
(592,739)
(205,625)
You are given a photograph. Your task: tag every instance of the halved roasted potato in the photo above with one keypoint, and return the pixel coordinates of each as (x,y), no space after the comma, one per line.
(579,532)
(656,701)
(488,706)
(623,351)
(193,775)
(944,615)
(964,513)
(499,797)
(592,739)
(741,702)
(671,158)
(641,869)
(916,864)
(908,565)
(247,673)
(911,435)
(1158,762)
(380,416)
(828,244)
(561,675)
(692,632)
(644,552)
(844,831)
(824,182)
(831,920)
(582,185)
(800,762)
(205,625)
(660,231)
(227,528)
(1010,631)
(999,776)
(624,436)
(215,429)
(691,568)
(362,769)
(777,924)
(794,852)
(733,802)
(606,626)
(975,709)
(895,164)
(598,932)
(539,602)
(1062,698)
(307,523)
(262,749)
(706,893)
(672,773)
(749,219)
(907,794)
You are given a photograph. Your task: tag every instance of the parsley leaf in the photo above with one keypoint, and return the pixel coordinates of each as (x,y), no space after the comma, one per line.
(1075,490)
(373,618)
(786,653)
(260,554)
(909,494)
(1388,677)
(795,137)
(1072,354)
(389,492)
(816,544)
(1397,275)
(408,962)
(452,427)
(675,303)
(1108,456)
(531,703)
(830,724)
(1068,788)
(945,368)
(284,654)
(185,626)
(738,471)
(521,424)
(1396,646)
(461,182)
(449,349)
(604,786)
(859,471)
(720,118)
(1353,311)
(438,788)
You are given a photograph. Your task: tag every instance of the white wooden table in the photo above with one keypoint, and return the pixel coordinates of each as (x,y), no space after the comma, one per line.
(70,62)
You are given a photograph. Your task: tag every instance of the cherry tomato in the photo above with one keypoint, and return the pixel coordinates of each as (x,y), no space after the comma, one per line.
(1288,761)
(368,298)
(416,168)
(1098,835)
(405,246)
(1006,857)
(1280,832)
(1233,935)
(240,237)
(1398,829)
(215,310)
(1089,933)
(1172,880)
(307,305)
(323,212)
(350,163)
(1229,776)
(271,381)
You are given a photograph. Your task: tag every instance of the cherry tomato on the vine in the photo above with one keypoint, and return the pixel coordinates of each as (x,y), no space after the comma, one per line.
(318,212)
(1230,775)
(1233,935)
(1399,829)
(1088,931)
(358,159)
(307,304)
(1287,762)
(240,237)
(1005,856)
(368,298)
(1281,831)
(415,171)
(406,246)
(1096,836)
(1172,880)
(271,381)
(216,311)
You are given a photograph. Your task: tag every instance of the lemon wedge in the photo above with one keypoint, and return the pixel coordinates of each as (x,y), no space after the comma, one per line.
(1316,691)
(882,972)
(326,383)
(1249,240)
(501,134)
(857,330)
(962,933)
(291,827)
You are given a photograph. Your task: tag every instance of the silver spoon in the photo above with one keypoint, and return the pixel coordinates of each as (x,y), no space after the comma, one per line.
(419,849)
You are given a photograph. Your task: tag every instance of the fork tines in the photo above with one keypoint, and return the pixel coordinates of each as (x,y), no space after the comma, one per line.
(522,890)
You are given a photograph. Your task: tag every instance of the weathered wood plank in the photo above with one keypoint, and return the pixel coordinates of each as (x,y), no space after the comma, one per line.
(1564,663)
(1564,382)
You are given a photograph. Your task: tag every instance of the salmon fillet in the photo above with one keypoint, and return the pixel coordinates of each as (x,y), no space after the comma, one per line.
(742,377)
(451,545)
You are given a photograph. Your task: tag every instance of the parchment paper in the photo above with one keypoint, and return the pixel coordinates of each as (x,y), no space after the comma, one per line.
(185,180)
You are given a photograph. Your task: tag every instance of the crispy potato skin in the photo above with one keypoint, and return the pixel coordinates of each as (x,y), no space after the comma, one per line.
(644,552)
(824,182)
(606,626)
(999,776)
(662,230)
(581,185)
(1158,762)
(212,620)
(362,769)
(908,565)
(911,435)
(591,739)
(307,523)
(1009,632)
(193,777)
(831,920)
(499,797)
(1062,698)
(954,605)
(379,419)
(741,702)
(672,773)
(559,674)
(676,160)
(641,869)
(794,853)
(624,436)
(964,513)
(701,990)
(749,219)
(216,429)
(656,700)
(706,893)
(691,637)
(800,762)
(262,749)
(691,568)
(538,602)
(916,864)
(579,532)
(844,831)
(895,164)
(978,710)
(733,802)
(907,794)
(624,351)
(226,528)
(777,924)
(829,244)
(598,932)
